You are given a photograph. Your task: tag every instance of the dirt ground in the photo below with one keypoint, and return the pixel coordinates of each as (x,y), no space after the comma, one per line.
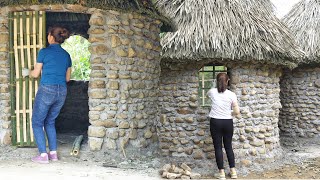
(302,161)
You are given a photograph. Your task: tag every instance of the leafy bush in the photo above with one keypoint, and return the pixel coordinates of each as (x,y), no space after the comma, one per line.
(78,48)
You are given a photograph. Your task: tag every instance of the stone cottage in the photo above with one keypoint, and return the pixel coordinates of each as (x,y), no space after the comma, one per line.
(125,61)
(300,87)
(242,38)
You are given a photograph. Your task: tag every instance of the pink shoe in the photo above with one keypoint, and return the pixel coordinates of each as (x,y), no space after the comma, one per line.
(53,157)
(40,159)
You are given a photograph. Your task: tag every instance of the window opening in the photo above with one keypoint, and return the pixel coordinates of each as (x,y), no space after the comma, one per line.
(78,48)
(207,80)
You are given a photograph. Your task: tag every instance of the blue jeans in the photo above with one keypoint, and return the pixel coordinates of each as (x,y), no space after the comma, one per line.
(47,105)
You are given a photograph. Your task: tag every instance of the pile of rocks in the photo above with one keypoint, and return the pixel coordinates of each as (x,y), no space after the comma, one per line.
(172,171)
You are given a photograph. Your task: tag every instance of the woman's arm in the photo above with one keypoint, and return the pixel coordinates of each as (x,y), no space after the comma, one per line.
(36,71)
(68,74)
(236,109)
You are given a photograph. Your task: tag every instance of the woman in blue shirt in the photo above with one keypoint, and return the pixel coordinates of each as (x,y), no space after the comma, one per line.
(54,65)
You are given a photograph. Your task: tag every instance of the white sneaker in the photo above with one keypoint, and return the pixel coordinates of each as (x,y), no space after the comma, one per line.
(221,176)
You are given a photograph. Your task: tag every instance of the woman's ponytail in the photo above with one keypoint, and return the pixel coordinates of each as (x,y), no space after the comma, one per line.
(222,82)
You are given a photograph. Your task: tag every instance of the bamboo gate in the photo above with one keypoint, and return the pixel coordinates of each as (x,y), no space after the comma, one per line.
(27,32)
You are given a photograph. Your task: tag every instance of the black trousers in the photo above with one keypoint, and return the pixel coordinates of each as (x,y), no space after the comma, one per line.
(222,131)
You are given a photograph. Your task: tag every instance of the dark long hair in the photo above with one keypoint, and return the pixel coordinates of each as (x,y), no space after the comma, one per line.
(222,82)
(59,33)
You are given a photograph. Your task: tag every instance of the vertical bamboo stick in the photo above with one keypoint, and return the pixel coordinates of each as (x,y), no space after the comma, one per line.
(19,82)
(16,16)
(202,85)
(26,39)
(29,83)
(12,80)
(37,42)
(44,32)
(33,60)
(22,83)
(40,30)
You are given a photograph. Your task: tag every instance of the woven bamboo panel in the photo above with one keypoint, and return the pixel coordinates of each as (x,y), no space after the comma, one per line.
(27,37)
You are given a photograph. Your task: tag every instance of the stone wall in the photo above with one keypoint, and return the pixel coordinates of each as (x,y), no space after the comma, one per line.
(124,80)
(5,113)
(184,126)
(123,87)
(73,117)
(300,89)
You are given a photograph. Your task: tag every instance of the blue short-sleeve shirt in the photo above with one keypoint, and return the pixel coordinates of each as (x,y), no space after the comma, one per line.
(56,62)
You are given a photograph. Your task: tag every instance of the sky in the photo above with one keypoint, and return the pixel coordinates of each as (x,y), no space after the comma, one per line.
(283,6)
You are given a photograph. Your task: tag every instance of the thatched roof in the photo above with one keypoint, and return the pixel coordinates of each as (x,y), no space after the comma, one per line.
(304,22)
(239,30)
(140,6)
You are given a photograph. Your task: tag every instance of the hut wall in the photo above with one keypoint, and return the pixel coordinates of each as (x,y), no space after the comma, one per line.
(184,126)
(300,89)
(124,80)
(257,133)
(123,86)
(5,123)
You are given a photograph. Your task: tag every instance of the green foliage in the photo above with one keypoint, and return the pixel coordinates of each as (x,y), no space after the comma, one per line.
(78,48)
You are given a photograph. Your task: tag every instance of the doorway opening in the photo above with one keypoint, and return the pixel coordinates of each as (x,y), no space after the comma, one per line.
(73,119)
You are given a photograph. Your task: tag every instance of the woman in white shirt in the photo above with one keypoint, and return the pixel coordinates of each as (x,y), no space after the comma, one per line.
(224,105)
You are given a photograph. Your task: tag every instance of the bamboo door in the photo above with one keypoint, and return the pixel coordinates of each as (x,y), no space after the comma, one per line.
(27,36)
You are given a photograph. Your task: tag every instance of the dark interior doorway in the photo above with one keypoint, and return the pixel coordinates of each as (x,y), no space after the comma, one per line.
(74,115)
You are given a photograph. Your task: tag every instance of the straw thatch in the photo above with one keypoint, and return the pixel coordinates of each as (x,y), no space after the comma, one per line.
(304,22)
(239,30)
(140,6)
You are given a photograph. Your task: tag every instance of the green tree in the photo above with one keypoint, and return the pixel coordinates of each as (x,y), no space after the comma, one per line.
(78,48)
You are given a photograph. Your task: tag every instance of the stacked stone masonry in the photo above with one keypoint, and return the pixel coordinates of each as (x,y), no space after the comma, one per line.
(5,123)
(124,80)
(123,84)
(184,125)
(300,89)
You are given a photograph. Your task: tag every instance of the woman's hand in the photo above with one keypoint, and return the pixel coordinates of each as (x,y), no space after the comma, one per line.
(25,72)
(68,74)
(37,70)
(236,110)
